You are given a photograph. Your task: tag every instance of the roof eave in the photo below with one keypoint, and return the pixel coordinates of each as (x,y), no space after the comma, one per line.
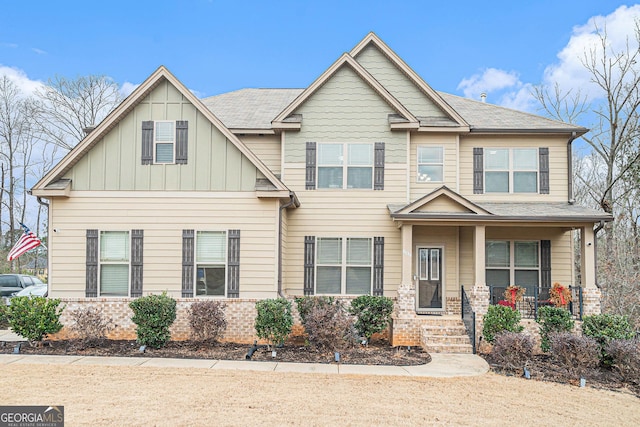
(505,218)
(577,131)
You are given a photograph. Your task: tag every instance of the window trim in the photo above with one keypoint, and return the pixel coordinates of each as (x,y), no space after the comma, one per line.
(196,263)
(343,265)
(100,263)
(510,170)
(512,254)
(418,164)
(156,142)
(345,165)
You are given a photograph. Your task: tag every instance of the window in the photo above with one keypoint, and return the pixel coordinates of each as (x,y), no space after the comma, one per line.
(343,266)
(345,166)
(164,142)
(430,164)
(513,263)
(114,263)
(211,250)
(511,170)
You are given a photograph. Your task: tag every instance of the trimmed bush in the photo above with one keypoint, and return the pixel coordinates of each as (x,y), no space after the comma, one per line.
(553,320)
(207,320)
(90,326)
(274,320)
(512,350)
(500,319)
(606,327)
(575,354)
(326,322)
(34,317)
(4,322)
(373,314)
(625,358)
(153,315)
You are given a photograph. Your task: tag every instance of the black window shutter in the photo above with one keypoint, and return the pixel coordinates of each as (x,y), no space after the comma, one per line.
(545,263)
(182,141)
(137,237)
(310,179)
(378,171)
(378,266)
(91,290)
(147,142)
(187,263)
(233,264)
(478,171)
(309,264)
(543,161)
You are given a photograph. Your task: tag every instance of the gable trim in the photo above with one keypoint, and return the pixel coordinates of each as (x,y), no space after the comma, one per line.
(446,192)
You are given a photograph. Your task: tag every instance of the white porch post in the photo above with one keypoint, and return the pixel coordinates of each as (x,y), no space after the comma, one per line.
(590,293)
(407,255)
(479,296)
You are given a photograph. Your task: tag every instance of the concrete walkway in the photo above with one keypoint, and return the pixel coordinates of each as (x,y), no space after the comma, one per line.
(442,365)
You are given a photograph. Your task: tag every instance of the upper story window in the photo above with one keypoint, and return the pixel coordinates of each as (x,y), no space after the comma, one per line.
(512,170)
(114,263)
(430,164)
(164,139)
(165,142)
(345,166)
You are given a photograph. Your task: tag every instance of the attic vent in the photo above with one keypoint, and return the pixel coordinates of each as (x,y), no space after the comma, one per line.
(483,97)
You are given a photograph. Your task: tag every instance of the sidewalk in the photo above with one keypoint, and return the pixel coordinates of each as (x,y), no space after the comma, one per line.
(442,365)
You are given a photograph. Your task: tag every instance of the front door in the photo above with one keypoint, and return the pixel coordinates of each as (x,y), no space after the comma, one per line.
(429,277)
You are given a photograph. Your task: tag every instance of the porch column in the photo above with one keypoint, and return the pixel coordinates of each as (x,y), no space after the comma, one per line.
(479,297)
(407,255)
(590,293)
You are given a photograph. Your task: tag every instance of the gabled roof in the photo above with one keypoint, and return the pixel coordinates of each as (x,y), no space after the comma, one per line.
(127,106)
(468,206)
(373,39)
(344,60)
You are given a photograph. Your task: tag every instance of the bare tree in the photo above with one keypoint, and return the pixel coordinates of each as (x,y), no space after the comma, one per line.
(70,106)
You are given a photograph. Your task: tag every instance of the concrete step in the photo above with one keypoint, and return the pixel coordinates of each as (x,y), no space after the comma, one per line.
(449,348)
(445,335)
(445,330)
(446,339)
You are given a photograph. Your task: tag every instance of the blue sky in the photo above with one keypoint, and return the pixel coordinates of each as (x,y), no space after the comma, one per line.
(463,47)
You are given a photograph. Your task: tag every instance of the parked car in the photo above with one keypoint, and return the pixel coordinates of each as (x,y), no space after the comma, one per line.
(37,290)
(12,283)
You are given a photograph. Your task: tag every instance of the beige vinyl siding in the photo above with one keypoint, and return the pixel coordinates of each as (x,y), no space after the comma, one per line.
(449,143)
(266,148)
(345,109)
(467,258)
(397,83)
(344,213)
(443,204)
(557,167)
(255,218)
(114,163)
(440,236)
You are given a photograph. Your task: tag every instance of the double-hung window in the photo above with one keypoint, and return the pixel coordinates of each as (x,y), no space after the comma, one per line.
(344,265)
(430,164)
(513,263)
(211,250)
(164,139)
(114,263)
(345,166)
(511,170)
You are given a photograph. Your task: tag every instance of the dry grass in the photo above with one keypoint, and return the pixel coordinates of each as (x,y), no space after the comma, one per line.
(108,396)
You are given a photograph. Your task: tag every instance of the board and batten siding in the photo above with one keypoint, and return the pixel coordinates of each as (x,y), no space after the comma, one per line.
(345,109)
(266,148)
(449,143)
(397,83)
(558,174)
(114,163)
(255,218)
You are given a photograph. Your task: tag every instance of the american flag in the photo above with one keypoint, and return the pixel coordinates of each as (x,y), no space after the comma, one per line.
(26,242)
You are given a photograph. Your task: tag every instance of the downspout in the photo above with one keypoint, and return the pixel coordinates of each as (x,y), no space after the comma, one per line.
(292,201)
(595,248)
(570,167)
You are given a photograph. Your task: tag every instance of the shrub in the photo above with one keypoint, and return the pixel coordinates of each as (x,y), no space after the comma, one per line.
(90,326)
(326,322)
(207,320)
(153,315)
(606,327)
(625,358)
(575,354)
(34,317)
(274,320)
(512,350)
(373,314)
(500,319)
(4,322)
(553,320)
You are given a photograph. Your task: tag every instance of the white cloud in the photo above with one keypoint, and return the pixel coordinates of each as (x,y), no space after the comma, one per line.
(569,72)
(491,79)
(38,51)
(127,88)
(21,80)
(10,45)
(519,99)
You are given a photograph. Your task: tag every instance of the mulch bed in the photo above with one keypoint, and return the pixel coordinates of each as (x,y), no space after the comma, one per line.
(377,353)
(543,368)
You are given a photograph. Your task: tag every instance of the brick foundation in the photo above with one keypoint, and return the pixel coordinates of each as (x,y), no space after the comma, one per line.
(591,298)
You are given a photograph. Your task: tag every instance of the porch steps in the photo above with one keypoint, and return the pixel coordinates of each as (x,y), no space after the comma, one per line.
(445,335)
